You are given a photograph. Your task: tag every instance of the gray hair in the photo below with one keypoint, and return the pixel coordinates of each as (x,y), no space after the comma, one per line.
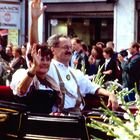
(53,41)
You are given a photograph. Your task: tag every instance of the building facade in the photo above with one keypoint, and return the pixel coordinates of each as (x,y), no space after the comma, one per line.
(138,19)
(93,20)
(13,22)
(125,23)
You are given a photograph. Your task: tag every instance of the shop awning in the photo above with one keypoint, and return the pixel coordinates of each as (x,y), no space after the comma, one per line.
(3,32)
(77,1)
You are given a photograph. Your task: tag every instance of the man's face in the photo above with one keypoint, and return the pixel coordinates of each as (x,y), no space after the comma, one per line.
(105,55)
(63,51)
(94,53)
(8,51)
(132,50)
(23,50)
(75,46)
(73,42)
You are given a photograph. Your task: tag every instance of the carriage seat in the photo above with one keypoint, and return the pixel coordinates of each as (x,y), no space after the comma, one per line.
(6,93)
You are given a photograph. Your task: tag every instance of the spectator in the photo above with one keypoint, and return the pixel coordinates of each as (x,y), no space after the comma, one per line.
(110,66)
(122,55)
(79,58)
(100,44)
(111,45)
(131,68)
(96,59)
(23,50)
(6,53)
(17,62)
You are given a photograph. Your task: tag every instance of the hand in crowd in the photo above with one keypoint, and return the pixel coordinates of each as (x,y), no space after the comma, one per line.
(112,102)
(36,9)
(75,62)
(112,99)
(91,59)
(36,55)
(108,72)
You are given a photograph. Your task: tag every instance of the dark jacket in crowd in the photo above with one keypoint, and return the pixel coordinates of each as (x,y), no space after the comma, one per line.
(83,58)
(110,66)
(131,68)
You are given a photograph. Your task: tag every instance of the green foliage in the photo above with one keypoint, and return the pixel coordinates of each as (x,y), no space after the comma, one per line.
(83,69)
(129,127)
(99,77)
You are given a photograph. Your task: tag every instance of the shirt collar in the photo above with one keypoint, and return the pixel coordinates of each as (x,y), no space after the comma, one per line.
(107,60)
(58,63)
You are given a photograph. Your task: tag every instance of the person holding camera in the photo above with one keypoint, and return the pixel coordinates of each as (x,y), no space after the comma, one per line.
(122,55)
(131,69)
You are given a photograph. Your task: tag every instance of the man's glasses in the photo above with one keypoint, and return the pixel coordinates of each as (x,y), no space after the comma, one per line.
(66,47)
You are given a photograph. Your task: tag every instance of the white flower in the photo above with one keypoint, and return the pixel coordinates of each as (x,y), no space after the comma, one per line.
(126,116)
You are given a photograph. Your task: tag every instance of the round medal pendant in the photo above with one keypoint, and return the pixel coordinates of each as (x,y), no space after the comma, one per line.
(68,77)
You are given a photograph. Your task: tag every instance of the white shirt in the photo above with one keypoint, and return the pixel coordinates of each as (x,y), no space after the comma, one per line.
(106,62)
(73,58)
(85,85)
(18,76)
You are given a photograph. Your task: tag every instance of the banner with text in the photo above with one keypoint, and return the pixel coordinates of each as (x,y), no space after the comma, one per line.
(13,37)
(9,16)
